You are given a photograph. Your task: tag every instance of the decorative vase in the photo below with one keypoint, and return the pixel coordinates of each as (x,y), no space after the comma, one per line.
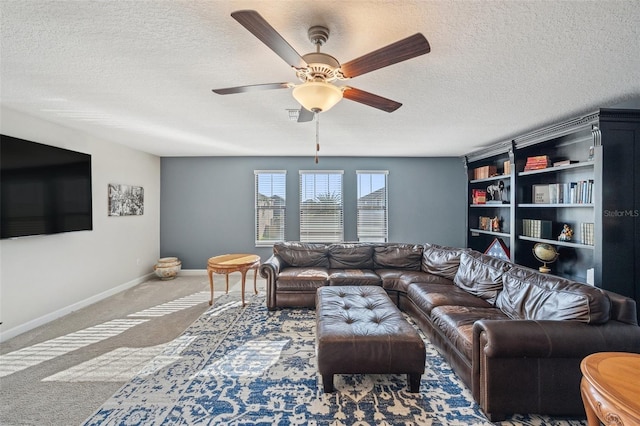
(167,268)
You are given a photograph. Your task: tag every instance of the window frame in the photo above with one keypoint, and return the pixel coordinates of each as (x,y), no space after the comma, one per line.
(331,235)
(281,189)
(361,206)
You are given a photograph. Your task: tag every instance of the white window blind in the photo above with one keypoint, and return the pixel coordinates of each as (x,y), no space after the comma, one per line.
(270,205)
(372,206)
(321,209)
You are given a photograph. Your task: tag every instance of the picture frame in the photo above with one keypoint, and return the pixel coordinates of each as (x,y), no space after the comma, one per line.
(498,249)
(125,200)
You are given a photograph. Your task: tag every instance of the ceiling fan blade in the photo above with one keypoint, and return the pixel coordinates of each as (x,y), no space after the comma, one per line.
(370,99)
(259,27)
(251,88)
(304,115)
(399,51)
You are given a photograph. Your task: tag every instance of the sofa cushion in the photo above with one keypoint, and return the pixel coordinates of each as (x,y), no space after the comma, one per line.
(428,296)
(302,254)
(399,256)
(354,277)
(529,294)
(441,260)
(302,279)
(481,275)
(351,256)
(456,323)
(399,280)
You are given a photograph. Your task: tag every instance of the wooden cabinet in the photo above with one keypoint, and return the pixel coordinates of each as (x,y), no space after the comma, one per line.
(594,189)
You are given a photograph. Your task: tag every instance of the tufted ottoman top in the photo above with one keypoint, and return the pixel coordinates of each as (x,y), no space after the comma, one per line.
(358,310)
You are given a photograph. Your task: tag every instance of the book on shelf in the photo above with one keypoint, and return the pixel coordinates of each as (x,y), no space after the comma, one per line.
(587,233)
(478,196)
(564,163)
(537,162)
(580,192)
(540,194)
(484,172)
(536,228)
(506,170)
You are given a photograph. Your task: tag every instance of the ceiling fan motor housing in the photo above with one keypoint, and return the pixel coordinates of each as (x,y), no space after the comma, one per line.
(321,67)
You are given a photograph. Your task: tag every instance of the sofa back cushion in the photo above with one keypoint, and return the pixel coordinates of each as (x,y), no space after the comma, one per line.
(529,294)
(441,260)
(351,256)
(398,256)
(481,275)
(299,254)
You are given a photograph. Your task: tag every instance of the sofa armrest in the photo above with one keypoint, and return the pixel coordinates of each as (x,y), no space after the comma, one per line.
(535,365)
(271,267)
(551,339)
(622,308)
(270,270)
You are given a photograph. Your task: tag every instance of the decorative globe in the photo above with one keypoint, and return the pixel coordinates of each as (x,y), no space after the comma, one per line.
(545,253)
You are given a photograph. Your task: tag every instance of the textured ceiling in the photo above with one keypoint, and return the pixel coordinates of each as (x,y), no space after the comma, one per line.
(140,73)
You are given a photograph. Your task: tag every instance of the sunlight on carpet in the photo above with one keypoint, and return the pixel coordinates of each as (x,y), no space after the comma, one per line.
(41,352)
(252,359)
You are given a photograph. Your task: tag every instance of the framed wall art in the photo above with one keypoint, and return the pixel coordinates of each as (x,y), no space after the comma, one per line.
(126,200)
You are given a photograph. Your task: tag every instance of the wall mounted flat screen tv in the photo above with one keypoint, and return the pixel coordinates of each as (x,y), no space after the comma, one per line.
(43,189)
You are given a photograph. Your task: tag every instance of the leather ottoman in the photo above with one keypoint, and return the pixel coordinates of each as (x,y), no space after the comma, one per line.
(361,331)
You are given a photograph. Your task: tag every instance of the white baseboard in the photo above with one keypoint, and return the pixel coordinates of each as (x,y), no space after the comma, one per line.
(6,335)
(190,272)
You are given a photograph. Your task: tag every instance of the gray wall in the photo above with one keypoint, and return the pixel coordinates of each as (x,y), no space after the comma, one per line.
(207,203)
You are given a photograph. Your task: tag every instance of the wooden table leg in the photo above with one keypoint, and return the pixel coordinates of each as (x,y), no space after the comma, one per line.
(211,286)
(227,277)
(255,276)
(592,417)
(244,279)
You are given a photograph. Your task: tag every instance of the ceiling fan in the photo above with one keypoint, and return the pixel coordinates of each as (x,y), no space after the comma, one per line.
(317,70)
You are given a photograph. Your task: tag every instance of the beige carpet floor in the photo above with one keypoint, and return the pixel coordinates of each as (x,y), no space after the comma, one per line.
(60,373)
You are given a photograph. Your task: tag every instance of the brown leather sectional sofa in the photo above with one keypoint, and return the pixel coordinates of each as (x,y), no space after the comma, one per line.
(513,335)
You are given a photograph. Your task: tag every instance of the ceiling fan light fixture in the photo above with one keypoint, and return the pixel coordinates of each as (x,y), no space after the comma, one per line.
(317,96)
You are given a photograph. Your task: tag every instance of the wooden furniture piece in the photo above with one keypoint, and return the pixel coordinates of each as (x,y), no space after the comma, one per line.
(228,263)
(610,388)
(598,156)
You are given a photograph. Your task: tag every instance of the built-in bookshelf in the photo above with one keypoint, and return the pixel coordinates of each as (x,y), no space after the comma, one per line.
(560,197)
(579,178)
(490,197)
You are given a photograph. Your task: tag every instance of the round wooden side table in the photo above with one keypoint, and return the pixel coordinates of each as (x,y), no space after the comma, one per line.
(228,263)
(610,388)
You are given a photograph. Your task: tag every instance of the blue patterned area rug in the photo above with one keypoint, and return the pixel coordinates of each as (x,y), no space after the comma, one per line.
(249,366)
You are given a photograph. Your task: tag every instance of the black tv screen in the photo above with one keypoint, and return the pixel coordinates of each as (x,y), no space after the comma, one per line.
(43,189)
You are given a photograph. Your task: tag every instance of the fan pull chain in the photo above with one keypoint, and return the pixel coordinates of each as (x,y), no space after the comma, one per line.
(317,135)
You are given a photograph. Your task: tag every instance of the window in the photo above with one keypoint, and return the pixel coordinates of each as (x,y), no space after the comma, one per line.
(270,206)
(321,212)
(372,206)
